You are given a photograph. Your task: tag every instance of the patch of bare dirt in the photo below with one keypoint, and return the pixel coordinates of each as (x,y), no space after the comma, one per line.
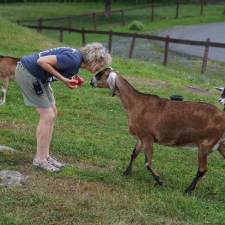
(163,84)
(4,125)
(201,91)
(90,166)
(147,82)
(68,188)
(14,125)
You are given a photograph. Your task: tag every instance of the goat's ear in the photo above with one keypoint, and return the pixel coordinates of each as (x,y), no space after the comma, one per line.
(111,80)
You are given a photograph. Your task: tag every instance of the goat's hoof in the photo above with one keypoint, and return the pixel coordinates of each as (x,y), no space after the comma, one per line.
(127,172)
(160,183)
(189,191)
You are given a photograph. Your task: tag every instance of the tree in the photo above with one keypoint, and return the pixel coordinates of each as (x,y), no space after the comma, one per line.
(108,4)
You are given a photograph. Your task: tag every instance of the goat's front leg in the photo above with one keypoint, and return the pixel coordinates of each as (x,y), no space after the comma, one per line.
(148,147)
(4,91)
(134,155)
(202,161)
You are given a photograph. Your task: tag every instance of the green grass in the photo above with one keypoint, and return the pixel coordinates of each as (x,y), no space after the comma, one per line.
(19,41)
(19,11)
(91,134)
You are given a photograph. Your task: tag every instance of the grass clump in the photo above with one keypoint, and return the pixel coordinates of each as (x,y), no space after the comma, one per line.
(136,25)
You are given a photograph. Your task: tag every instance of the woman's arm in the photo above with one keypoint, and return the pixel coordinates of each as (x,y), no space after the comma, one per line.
(48,63)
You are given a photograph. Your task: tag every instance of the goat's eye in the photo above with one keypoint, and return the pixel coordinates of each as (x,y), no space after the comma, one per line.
(98,76)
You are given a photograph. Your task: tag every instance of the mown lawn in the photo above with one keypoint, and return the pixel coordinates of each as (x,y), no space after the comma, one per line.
(91,135)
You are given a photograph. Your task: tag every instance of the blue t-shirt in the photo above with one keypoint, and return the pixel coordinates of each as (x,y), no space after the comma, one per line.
(68,63)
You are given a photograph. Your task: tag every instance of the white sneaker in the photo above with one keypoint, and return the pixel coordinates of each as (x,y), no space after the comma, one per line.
(54,162)
(45,166)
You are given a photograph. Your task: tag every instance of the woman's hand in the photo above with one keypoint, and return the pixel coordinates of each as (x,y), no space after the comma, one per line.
(77,80)
(70,83)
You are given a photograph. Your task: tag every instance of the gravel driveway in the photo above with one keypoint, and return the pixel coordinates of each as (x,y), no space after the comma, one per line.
(150,51)
(214,31)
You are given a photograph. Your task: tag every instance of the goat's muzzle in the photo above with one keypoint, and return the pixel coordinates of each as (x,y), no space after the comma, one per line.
(93,82)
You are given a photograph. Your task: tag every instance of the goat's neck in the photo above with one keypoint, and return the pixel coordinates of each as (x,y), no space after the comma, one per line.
(126,92)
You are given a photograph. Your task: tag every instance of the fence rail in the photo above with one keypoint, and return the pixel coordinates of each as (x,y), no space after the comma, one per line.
(151,8)
(167,40)
(97,13)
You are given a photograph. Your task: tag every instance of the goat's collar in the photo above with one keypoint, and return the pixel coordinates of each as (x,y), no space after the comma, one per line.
(112,81)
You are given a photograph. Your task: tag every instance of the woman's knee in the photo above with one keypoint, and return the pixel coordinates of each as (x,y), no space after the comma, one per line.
(47,115)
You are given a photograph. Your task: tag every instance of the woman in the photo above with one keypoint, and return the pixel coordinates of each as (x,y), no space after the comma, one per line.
(34,74)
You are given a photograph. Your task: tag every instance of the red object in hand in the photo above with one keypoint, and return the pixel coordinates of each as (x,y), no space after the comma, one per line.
(76,80)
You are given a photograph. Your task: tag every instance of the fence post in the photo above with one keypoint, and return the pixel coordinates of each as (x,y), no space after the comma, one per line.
(132,46)
(61,35)
(122,17)
(205,57)
(165,60)
(177,9)
(83,37)
(152,8)
(70,23)
(94,20)
(110,42)
(110,17)
(201,10)
(39,29)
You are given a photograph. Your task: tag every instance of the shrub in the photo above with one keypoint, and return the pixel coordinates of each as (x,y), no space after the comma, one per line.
(136,25)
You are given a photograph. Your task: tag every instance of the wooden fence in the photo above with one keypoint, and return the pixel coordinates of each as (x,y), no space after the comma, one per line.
(167,40)
(93,15)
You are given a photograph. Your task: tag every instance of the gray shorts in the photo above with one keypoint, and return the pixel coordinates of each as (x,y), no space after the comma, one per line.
(25,81)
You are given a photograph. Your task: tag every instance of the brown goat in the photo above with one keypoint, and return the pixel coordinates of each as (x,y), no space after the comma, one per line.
(7,72)
(163,121)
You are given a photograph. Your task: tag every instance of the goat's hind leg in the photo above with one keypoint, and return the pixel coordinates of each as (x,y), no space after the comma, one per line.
(134,155)
(148,147)
(202,161)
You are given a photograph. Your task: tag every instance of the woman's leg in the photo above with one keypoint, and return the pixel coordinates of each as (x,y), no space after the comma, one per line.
(44,132)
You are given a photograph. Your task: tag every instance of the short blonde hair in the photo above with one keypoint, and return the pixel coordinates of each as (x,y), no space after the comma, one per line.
(95,53)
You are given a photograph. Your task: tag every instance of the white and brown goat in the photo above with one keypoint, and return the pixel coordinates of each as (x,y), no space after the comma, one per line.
(163,121)
(7,73)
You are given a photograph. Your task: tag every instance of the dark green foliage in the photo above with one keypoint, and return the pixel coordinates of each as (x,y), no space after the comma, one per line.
(136,25)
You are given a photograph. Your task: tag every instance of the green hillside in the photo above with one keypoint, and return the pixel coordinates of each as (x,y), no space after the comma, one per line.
(17,41)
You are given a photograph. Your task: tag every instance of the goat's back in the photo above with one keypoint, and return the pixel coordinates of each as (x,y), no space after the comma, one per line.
(7,67)
(178,123)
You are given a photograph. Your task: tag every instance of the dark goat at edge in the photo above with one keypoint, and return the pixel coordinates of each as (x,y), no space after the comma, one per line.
(7,73)
(171,123)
